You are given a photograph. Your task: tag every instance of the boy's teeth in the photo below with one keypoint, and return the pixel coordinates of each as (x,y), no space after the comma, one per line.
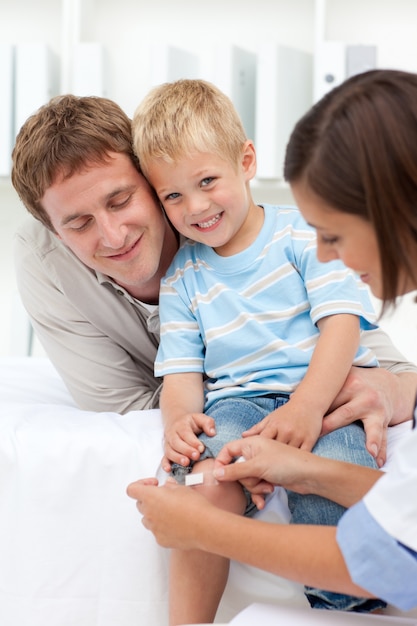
(210,222)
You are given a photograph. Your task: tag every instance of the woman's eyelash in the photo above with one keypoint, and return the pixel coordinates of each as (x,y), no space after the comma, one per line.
(329,240)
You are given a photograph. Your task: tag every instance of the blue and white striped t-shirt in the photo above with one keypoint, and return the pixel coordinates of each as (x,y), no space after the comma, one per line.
(248,321)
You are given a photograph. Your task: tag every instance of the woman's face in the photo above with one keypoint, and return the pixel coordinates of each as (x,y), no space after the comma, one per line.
(343,236)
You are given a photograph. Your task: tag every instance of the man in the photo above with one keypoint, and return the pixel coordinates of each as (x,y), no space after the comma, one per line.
(89,269)
(89,266)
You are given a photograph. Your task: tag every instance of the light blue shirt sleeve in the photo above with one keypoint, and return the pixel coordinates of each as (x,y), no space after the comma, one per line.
(376,561)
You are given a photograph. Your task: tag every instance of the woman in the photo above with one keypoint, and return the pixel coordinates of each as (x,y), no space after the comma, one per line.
(352,166)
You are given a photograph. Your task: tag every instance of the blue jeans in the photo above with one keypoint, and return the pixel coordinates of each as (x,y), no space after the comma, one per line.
(235,415)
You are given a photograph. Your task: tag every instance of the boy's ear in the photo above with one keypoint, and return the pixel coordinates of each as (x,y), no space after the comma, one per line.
(249,159)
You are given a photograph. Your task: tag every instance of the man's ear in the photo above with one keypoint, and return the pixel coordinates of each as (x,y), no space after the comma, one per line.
(249,159)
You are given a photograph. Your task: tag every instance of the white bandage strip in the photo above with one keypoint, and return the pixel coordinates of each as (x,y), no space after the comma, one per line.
(200,478)
(194,479)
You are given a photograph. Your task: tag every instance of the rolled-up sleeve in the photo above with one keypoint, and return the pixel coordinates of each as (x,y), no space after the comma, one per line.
(376,561)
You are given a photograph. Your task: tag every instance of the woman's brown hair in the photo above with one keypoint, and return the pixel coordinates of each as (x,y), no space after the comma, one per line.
(357,150)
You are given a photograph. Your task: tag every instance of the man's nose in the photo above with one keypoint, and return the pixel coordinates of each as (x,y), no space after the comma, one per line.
(112,232)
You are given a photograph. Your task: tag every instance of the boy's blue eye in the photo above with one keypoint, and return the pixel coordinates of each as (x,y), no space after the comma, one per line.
(172,196)
(206,181)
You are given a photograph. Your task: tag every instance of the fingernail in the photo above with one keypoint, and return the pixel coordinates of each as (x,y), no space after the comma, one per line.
(218,473)
(374,450)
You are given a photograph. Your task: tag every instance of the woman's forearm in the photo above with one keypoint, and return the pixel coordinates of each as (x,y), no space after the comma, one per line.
(181,518)
(308,555)
(298,470)
(340,482)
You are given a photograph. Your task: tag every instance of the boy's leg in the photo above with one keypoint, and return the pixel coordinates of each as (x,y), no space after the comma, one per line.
(198,579)
(197,583)
(344,444)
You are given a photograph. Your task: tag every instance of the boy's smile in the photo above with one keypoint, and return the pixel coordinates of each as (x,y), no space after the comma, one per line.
(210,223)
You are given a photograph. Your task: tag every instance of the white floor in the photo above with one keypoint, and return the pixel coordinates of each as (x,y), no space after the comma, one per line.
(12,213)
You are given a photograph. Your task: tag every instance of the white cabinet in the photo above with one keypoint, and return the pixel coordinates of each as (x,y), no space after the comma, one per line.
(114,46)
(119,41)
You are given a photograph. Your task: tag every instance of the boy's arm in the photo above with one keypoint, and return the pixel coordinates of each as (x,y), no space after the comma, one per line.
(182,405)
(299,422)
(330,364)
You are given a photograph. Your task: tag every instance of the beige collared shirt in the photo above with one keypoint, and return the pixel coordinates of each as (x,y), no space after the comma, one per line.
(101,340)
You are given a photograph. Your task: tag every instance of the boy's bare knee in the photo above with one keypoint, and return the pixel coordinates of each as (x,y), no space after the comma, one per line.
(228,496)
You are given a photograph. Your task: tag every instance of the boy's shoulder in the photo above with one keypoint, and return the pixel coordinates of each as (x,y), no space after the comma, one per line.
(187,252)
(281,209)
(285,214)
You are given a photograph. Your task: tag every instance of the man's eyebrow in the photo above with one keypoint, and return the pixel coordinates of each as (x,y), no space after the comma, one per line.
(107,199)
(116,192)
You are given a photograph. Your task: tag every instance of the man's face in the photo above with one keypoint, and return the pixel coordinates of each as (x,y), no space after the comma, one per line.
(110,219)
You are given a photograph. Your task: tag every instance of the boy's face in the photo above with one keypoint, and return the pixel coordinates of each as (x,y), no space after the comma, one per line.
(208,199)
(109,218)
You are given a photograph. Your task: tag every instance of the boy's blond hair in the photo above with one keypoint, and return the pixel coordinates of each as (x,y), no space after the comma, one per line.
(186,116)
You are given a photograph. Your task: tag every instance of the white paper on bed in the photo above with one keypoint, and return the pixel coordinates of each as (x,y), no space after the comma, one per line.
(272,615)
(72,549)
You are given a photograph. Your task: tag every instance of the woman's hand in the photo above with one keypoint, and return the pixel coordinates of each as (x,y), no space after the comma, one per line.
(173,513)
(263,463)
(267,462)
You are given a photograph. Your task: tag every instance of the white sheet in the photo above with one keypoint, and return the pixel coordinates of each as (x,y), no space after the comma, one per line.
(271,615)
(72,549)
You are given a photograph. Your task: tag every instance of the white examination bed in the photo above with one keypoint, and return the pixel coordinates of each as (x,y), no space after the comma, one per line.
(72,549)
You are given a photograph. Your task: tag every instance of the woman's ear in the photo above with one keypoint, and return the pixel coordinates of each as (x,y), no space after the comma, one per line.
(249,160)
